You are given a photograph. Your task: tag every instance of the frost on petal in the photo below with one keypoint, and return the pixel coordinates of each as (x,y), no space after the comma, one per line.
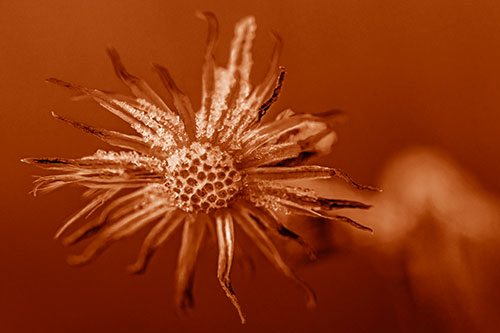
(208,76)
(225,240)
(181,101)
(312,133)
(104,170)
(270,155)
(160,130)
(169,123)
(262,97)
(240,64)
(232,83)
(105,161)
(302,172)
(91,180)
(113,138)
(291,199)
(298,172)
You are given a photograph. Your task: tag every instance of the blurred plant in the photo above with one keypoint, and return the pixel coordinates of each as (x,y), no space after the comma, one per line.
(437,232)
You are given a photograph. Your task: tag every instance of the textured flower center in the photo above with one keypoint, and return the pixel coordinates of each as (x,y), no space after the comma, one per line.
(202,178)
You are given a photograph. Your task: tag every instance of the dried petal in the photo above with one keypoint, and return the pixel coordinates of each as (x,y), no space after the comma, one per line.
(137,86)
(251,228)
(267,220)
(225,239)
(158,235)
(98,201)
(113,211)
(118,230)
(208,76)
(114,138)
(192,236)
(181,101)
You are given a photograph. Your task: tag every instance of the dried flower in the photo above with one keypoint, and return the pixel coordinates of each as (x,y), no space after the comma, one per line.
(200,170)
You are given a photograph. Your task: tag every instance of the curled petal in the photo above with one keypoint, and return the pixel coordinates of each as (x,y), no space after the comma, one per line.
(114,163)
(302,172)
(252,229)
(103,170)
(114,138)
(345,219)
(300,201)
(95,203)
(181,101)
(298,172)
(213,32)
(235,118)
(297,208)
(123,228)
(112,212)
(267,220)
(96,180)
(232,85)
(269,81)
(312,134)
(285,114)
(137,86)
(102,98)
(192,236)
(345,177)
(274,97)
(225,240)
(260,92)
(208,76)
(158,235)
(270,155)
(160,129)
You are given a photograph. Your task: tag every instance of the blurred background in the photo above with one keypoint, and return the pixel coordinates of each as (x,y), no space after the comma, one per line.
(419,81)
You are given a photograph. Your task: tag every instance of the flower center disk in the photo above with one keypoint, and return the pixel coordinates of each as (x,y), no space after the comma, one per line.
(202,178)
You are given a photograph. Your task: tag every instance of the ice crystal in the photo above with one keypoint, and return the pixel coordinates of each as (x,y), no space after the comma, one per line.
(197,170)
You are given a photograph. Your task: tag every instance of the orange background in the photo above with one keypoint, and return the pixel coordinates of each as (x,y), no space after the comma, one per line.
(406,72)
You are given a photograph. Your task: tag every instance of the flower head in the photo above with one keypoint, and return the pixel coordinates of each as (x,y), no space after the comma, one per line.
(199,171)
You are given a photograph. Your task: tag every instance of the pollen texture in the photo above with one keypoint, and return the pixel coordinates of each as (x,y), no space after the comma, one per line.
(202,178)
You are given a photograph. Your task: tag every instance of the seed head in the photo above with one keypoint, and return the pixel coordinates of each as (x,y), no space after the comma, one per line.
(202,178)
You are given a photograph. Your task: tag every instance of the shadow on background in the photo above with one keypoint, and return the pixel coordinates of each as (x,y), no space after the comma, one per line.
(436,234)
